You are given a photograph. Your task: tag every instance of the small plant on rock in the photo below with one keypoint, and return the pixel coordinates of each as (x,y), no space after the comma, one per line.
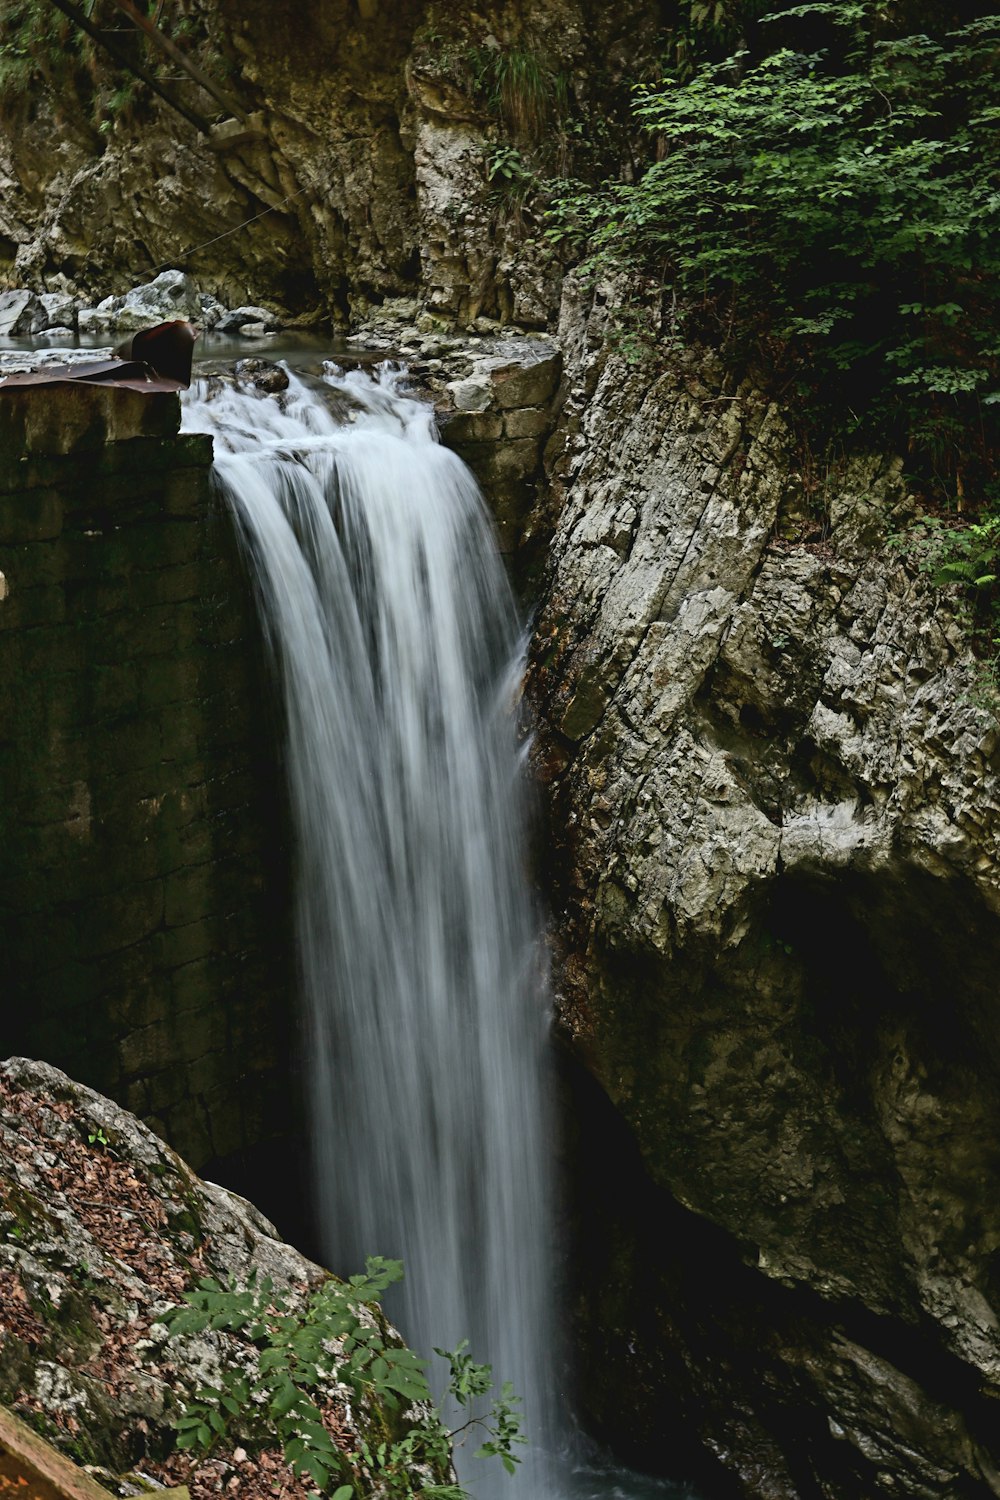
(337,1336)
(952,553)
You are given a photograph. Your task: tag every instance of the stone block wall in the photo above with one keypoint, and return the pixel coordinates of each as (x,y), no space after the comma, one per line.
(497,405)
(143,895)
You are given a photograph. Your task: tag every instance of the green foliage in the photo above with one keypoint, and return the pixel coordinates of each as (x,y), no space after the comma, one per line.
(118,102)
(708,29)
(521,86)
(338,1335)
(833,212)
(512,182)
(36,41)
(947,553)
(40,48)
(951,554)
(505,164)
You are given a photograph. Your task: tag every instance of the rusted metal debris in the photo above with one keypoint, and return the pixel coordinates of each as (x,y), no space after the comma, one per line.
(156,359)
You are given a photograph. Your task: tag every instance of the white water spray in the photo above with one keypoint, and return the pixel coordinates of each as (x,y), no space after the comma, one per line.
(396,640)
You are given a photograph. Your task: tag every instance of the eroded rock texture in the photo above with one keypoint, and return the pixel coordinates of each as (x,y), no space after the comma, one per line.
(361,170)
(102,1229)
(774,807)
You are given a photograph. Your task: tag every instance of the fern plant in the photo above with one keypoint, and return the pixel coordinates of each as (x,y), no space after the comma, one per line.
(966,559)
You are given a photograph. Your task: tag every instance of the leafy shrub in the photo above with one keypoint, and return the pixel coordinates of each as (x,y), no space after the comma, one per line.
(833,212)
(301,1352)
(949,554)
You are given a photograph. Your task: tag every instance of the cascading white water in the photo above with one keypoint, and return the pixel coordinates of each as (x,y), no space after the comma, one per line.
(393,627)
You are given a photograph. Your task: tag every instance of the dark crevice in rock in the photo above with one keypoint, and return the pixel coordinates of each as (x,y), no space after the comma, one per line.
(688,1351)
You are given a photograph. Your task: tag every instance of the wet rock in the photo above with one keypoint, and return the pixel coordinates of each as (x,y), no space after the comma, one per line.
(262,374)
(60,310)
(472,394)
(239,318)
(21,314)
(101,319)
(211,311)
(776,807)
(171,295)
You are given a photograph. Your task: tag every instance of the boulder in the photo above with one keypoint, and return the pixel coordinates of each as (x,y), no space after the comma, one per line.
(100,319)
(212,310)
(102,1229)
(234,321)
(21,314)
(261,374)
(60,310)
(173,294)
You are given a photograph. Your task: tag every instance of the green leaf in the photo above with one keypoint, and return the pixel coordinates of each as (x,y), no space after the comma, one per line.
(284,1398)
(311,1465)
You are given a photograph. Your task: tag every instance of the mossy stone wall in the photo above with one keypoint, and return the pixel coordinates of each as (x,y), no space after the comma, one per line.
(143,897)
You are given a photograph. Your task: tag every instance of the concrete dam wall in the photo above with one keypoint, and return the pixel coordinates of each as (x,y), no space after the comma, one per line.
(142,893)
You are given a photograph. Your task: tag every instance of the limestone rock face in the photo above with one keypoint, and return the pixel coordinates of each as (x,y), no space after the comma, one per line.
(103,1227)
(775,813)
(21,313)
(360,173)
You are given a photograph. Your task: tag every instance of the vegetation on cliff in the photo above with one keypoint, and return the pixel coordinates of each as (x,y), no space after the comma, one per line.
(823,204)
(42,48)
(341,1335)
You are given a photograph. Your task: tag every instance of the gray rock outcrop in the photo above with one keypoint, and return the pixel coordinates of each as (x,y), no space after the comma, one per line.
(172,294)
(102,1228)
(775,808)
(21,313)
(236,319)
(60,310)
(361,171)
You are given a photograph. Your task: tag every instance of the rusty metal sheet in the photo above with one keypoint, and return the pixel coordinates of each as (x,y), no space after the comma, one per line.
(155,359)
(106,372)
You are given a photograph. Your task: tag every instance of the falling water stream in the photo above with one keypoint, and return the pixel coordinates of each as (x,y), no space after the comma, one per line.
(399,653)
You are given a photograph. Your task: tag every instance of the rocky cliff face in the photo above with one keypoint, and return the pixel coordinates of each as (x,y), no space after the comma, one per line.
(774,810)
(366,149)
(773,800)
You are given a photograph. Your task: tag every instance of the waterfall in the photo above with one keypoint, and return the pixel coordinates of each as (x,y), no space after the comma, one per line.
(399,655)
